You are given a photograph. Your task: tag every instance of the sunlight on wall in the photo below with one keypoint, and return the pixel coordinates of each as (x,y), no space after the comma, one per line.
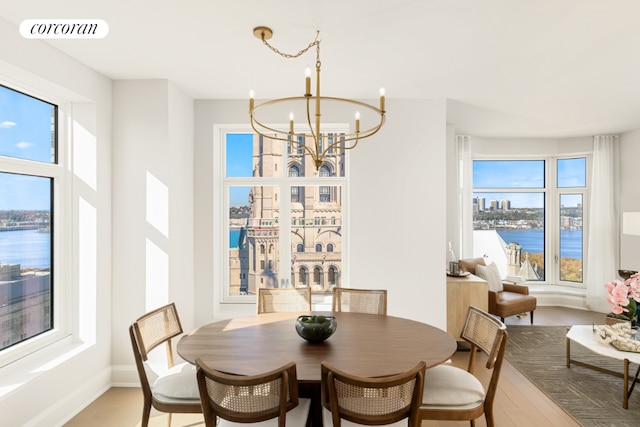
(157,276)
(157,204)
(87,270)
(84,153)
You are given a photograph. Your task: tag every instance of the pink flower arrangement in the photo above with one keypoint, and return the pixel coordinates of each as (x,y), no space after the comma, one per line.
(622,296)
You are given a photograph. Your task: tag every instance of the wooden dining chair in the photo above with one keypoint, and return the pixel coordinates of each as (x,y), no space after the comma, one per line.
(172,390)
(451,393)
(272,396)
(372,301)
(349,400)
(276,300)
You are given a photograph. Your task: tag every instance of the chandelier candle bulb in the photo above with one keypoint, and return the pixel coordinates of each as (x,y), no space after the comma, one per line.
(357,121)
(382,99)
(291,123)
(251,95)
(307,88)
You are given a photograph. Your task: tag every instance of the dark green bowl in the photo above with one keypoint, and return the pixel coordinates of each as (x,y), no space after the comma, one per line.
(316,328)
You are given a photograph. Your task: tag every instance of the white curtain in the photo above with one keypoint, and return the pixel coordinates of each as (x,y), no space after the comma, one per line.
(603,222)
(465,194)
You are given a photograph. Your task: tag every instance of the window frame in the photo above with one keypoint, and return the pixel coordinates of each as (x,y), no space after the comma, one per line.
(221,209)
(61,224)
(552,220)
(554,240)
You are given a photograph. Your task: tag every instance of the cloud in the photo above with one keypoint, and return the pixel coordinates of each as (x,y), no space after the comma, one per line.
(24,144)
(7,125)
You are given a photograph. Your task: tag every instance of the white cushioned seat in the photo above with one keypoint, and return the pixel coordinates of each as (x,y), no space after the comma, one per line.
(177,384)
(447,386)
(297,417)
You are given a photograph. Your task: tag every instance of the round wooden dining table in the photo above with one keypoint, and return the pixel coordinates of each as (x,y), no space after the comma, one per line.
(363,344)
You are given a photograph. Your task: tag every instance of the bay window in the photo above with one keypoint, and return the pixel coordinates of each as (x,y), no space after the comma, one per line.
(534,209)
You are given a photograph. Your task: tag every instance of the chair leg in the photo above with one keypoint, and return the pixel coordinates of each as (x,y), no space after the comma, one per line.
(488,415)
(169,419)
(146,412)
(502,319)
(532,317)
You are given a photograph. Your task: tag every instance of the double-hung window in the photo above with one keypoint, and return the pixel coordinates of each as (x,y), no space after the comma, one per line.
(30,176)
(280,220)
(533,212)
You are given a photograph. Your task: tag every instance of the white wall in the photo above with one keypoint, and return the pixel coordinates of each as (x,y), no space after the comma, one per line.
(153,257)
(45,388)
(397,214)
(629,196)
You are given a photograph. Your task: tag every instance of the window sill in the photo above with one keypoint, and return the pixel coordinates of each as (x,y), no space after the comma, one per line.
(561,296)
(31,367)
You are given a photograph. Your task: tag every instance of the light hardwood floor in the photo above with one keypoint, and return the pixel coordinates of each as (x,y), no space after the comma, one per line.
(518,402)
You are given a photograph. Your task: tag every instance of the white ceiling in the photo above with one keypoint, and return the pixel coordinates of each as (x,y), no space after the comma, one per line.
(555,68)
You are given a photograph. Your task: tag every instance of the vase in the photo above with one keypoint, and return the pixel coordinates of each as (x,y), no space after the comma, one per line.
(316,328)
(612,319)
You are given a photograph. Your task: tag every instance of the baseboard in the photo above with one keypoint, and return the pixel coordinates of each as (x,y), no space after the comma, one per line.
(559,296)
(124,376)
(67,407)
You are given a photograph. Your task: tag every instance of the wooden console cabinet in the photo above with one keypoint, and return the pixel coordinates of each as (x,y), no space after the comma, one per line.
(461,293)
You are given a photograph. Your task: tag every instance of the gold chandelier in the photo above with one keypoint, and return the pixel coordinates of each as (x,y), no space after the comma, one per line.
(309,106)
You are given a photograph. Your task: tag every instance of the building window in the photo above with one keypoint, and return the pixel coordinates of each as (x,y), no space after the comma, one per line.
(331,276)
(300,247)
(316,275)
(318,247)
(325,191)
(329,247)
(28,174)
(535,210)
(294,171)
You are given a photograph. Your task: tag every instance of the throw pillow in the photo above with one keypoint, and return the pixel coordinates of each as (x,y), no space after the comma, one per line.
(491,274)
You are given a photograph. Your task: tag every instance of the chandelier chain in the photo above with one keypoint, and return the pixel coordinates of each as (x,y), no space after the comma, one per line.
(315,43)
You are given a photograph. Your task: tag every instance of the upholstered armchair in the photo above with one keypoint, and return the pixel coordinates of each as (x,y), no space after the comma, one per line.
(505,299)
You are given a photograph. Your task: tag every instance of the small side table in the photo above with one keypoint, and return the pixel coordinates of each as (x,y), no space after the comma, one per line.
(588,338)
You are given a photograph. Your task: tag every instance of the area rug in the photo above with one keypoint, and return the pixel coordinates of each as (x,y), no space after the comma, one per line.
(591,398)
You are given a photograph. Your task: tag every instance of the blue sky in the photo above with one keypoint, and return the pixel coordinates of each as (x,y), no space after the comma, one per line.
(23,192)
(25,126)
(239,152)
(25,133)
(526,174)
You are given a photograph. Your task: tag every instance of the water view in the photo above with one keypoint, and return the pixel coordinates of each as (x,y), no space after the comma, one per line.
(29,248)
(532,241)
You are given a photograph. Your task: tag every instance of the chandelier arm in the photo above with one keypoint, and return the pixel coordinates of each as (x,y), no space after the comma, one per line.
(366,133)
(260,130)
(304,147)
(353,137)
(315,157)
(313,134)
